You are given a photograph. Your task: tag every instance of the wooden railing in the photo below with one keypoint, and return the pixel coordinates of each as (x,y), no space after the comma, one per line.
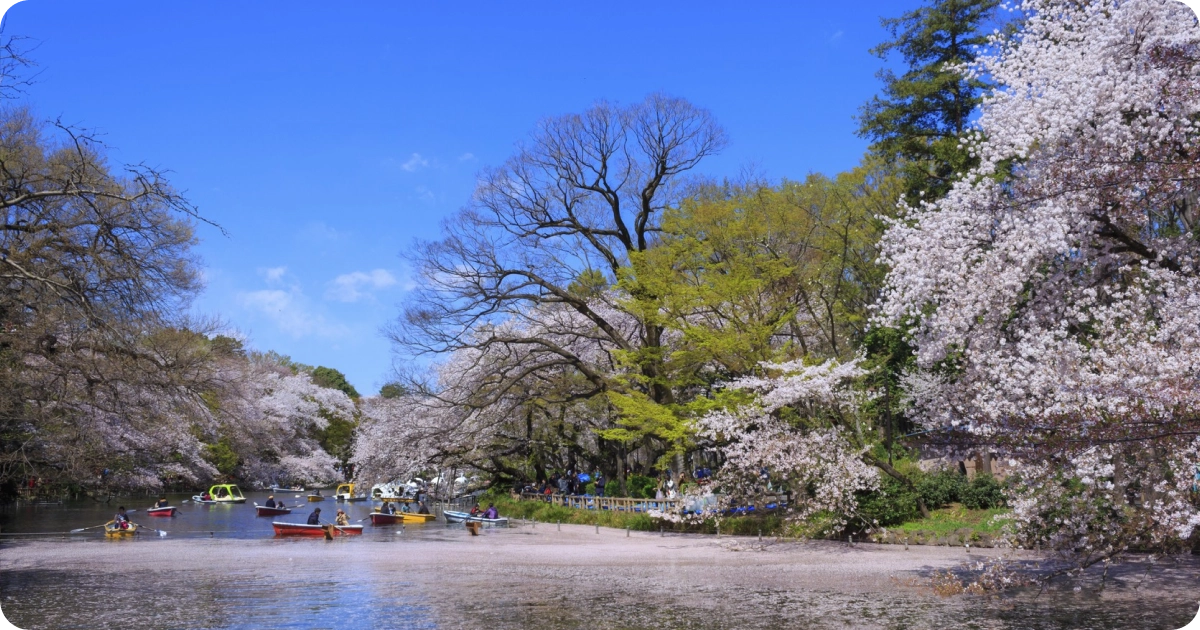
(617,504)
(623,504)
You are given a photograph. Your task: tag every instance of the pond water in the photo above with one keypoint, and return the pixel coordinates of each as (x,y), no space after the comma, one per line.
(222,567)
(192,519)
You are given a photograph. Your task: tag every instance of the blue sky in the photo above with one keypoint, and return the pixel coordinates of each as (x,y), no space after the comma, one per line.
(326,138)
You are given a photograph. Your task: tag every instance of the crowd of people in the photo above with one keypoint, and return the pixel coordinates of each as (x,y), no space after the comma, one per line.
(574,483)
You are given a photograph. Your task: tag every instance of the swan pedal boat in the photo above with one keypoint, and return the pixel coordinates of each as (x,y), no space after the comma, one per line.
(380,518)
(262,510)
(465,517)
(345,493)
(162,511)
(112,531)
(303,529)
(221,493)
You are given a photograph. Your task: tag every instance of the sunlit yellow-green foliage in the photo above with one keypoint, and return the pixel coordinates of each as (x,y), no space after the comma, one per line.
(744,274)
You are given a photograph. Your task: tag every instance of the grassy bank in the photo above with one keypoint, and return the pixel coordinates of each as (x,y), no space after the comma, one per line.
(953,521)
(956,517)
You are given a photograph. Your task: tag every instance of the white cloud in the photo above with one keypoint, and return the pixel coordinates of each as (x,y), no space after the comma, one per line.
(273,274)
(836,36)
(290,311)
(352,287)
(466,156)
(415,163)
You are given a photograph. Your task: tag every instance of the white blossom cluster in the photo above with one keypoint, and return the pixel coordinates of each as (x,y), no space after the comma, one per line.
(814,459)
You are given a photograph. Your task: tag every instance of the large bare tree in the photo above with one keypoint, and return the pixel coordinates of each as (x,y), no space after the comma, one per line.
(545,234)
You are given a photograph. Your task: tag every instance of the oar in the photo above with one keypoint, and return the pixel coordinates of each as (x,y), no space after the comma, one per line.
(84,529)
(161,533)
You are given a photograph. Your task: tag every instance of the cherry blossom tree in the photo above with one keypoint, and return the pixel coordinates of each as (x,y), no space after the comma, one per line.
(799,431)
(1052,294)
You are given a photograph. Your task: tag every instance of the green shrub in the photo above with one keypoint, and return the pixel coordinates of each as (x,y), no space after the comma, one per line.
(641,487)
(941,488)
(893,503)
(983,493)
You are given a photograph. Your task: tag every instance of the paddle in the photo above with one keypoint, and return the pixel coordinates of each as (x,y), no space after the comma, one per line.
(333,526)
(161,533)
(84,529)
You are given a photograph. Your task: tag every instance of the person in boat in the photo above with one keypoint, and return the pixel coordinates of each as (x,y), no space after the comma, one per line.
(271,501)
(206,496)
(475,511)
(317,492)
(121,519)
(315,517)
(388,508)
(491,511)
(162,503)
(342,520)
(423,509)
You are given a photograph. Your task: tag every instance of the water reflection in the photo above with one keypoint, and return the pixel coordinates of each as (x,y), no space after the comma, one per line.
(221,567)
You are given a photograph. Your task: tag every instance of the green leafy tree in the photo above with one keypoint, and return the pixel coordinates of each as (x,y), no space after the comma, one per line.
(922,113)
(333,379)
(744,274)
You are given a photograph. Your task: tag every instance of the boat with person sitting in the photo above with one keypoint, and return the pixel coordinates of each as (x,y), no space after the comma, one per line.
(303,529)
(167,510)
(262,510)
(466,517)
(283,489)
(379,517)
(114,530)
(220,493)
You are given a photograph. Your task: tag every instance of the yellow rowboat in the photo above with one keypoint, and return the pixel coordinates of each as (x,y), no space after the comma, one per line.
(315,497)
(112,531)
(380,518)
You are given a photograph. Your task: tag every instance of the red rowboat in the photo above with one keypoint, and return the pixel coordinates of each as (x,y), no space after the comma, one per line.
(262,510)
(379,518)
(301,529)
(162,511)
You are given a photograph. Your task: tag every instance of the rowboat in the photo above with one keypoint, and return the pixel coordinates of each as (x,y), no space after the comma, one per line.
(302,529)
(262,510)
(112,531)
(162,511)
(283,489)
(460,517)
(222,493)
(381,518)
(315,497)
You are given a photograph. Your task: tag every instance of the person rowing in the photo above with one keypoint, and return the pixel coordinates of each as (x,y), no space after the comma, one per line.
(162,503)
(315,517)
(491,512)
(423,510)
(271,501)
(342,520)
(121,520)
